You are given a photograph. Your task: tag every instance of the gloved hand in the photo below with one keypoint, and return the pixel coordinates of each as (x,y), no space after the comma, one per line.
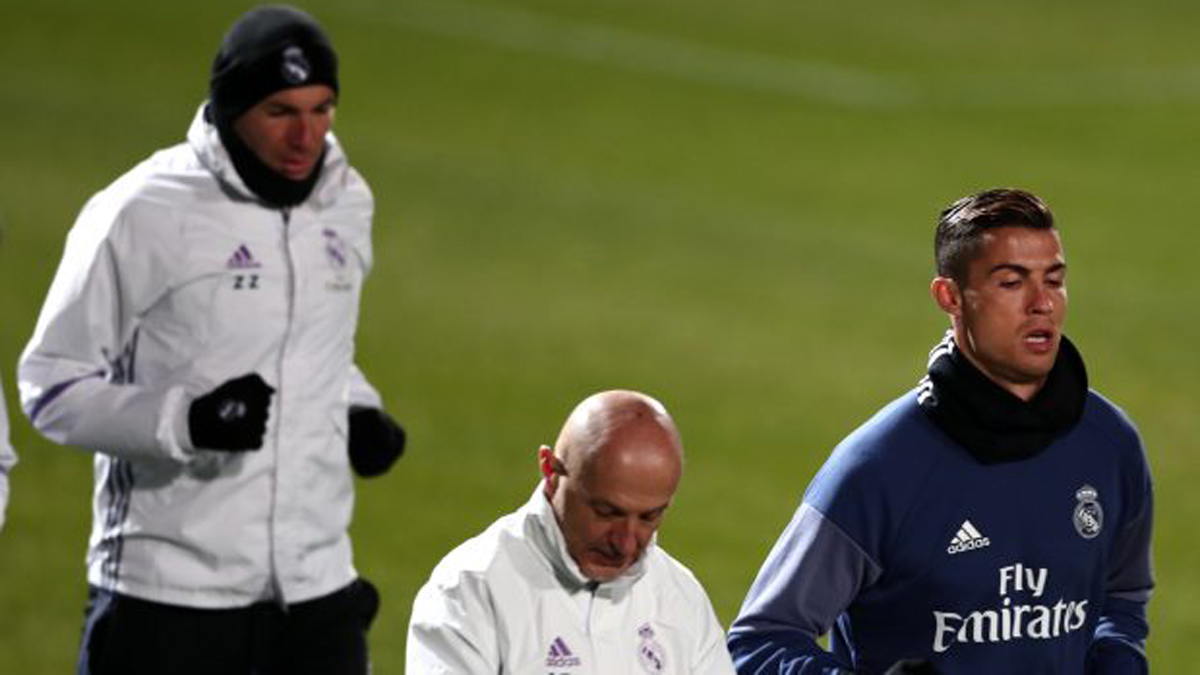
(911,667)
(232,417)
(376,441)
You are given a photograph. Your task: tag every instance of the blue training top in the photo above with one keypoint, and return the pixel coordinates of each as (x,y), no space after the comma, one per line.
(907,547)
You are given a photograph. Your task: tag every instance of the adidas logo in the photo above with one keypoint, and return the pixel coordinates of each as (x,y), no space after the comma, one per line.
(560,655)
(242,259)
(967,539)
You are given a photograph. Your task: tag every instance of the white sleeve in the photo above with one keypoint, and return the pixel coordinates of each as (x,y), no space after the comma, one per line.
(76,376)
(451,630)
(8,458)
(711,656)
(362,393)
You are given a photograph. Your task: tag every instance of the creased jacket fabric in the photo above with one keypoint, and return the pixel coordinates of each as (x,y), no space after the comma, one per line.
(175,279)
(512,600)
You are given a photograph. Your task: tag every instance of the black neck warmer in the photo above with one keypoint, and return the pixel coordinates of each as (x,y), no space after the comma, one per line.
(272,188)
(989,421)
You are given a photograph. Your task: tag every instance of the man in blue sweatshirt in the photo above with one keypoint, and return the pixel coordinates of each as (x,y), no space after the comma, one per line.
(996,519)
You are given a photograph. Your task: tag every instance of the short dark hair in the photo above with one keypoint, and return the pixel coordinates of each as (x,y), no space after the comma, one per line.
(962,224)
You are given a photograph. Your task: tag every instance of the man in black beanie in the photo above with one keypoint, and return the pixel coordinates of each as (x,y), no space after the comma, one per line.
(274,59)
(199,339)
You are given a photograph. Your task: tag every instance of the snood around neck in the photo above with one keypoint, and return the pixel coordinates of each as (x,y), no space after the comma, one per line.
(991,423)
(273,189)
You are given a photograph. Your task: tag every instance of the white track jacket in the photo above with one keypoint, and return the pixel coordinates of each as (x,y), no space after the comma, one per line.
(175,279)
(512,601)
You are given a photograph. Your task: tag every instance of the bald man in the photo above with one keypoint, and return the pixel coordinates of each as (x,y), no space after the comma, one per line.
(572,582)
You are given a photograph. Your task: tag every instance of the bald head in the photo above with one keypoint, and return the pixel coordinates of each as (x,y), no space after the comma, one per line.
(610,478)
(622,427)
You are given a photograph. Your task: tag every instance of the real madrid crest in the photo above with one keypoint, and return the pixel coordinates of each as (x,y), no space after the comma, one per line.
(295,68)
(1089,516)
(335,249)
(651,654)
(336,254)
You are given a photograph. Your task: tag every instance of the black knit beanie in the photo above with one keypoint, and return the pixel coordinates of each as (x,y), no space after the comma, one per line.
(270,48)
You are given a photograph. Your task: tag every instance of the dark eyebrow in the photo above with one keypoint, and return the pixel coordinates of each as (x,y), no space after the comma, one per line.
(598,502)
(657,512)
(1023,270)
(605,504)
(287,106)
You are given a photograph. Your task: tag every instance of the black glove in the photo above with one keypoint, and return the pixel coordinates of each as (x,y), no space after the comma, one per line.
(911,667)
(376,441)
(232,417)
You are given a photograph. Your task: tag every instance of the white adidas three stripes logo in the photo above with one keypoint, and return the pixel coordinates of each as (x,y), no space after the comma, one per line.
(967,539)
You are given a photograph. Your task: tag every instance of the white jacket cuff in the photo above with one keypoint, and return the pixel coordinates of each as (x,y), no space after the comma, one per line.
(172,432)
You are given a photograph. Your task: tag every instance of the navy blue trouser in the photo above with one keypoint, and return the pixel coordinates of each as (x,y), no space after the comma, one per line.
(325,636)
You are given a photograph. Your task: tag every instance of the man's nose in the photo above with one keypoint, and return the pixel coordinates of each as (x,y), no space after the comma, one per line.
(1041,300)
(625,537)
(301,132)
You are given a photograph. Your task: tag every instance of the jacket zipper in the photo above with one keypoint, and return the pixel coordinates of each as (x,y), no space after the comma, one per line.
(593,648)
(276,583)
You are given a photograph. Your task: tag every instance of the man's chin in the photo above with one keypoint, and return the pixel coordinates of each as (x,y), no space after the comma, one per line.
(603,572)
(1036,369)
(296,174)
(297,170)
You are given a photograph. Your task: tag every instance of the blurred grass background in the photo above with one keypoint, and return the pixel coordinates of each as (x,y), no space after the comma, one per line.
(729,206)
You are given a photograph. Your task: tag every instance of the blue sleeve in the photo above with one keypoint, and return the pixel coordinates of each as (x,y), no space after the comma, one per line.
(811,575)
(1119,642)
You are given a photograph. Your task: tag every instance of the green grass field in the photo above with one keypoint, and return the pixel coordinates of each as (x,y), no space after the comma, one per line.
(728,205)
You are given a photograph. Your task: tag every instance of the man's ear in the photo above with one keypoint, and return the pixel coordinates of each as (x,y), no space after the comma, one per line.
(548,465)
(947,295)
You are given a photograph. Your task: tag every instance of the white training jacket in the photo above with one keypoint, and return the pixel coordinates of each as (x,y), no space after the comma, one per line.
(512,601)
(174,280)
(8,457)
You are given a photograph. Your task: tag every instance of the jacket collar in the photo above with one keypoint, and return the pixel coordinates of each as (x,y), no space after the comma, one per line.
(205,141)
(542,528)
